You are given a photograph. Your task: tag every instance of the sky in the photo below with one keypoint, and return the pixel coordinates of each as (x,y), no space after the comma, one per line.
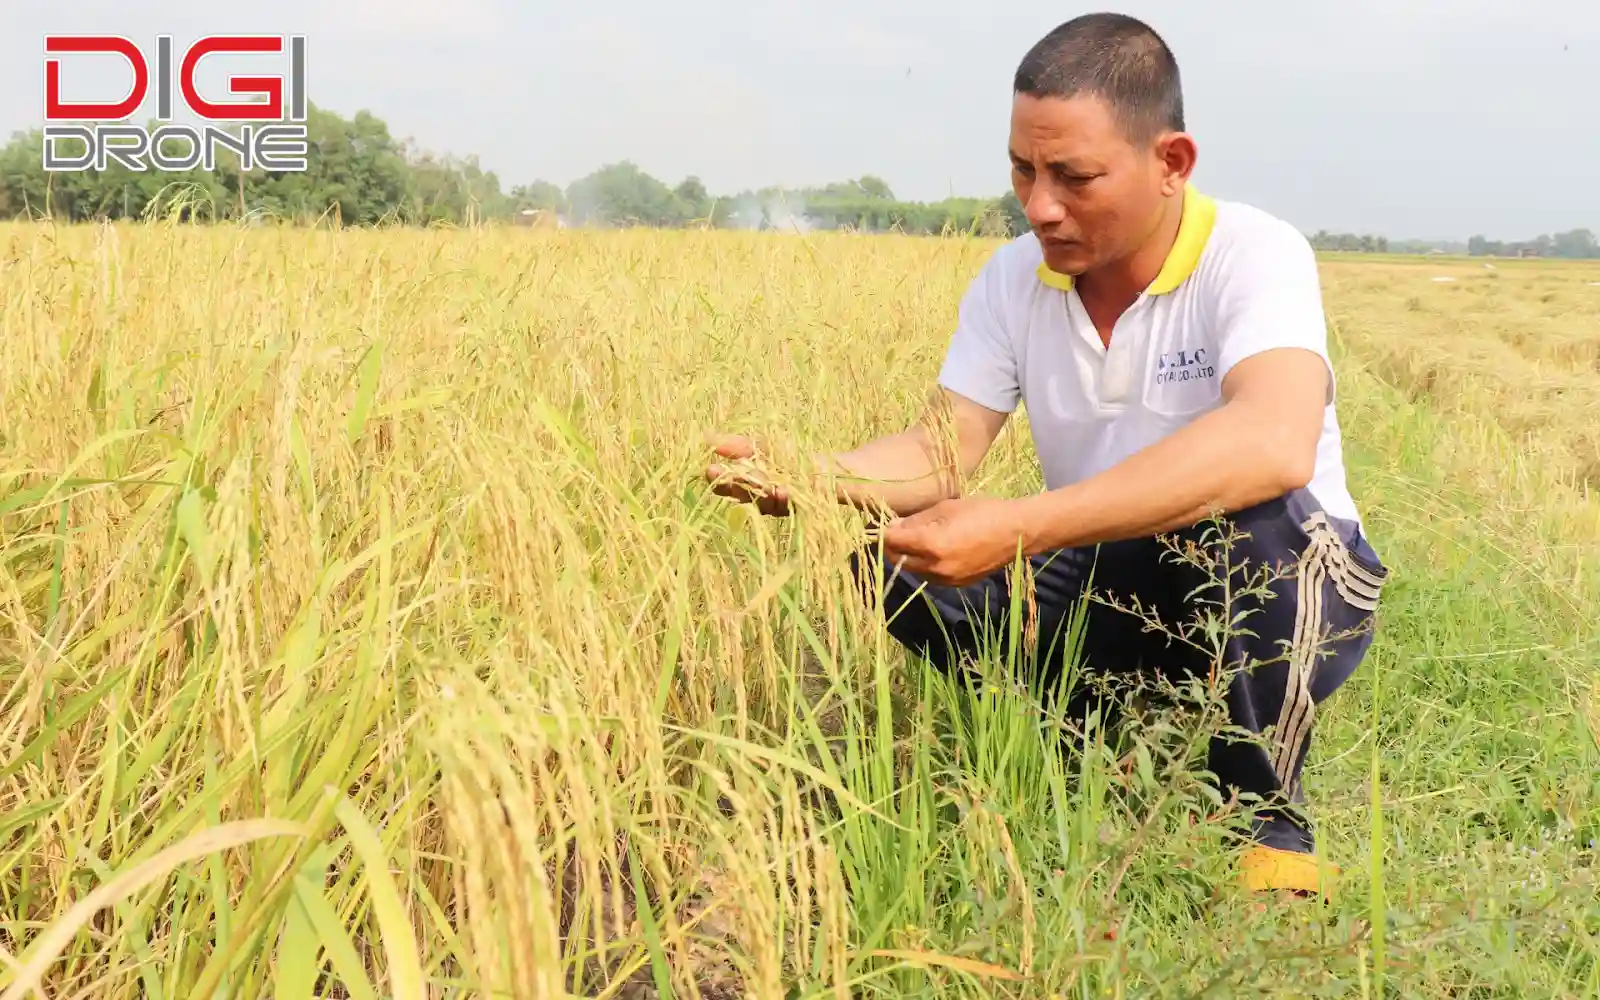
(1432,119)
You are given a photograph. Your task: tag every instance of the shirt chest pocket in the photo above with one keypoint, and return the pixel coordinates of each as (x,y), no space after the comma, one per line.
(1180,380)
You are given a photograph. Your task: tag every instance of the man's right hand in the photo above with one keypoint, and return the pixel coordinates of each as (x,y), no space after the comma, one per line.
(739,479)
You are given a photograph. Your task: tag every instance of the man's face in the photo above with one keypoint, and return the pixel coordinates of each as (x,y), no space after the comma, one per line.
(1090,194)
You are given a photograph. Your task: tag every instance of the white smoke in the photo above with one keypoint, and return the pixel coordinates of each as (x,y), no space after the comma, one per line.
(780,212)
(787,214)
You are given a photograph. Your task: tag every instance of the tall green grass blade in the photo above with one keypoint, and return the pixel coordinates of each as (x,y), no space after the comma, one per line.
(367,372)
(335,941)
(298,957)
(399,944)
(57,571)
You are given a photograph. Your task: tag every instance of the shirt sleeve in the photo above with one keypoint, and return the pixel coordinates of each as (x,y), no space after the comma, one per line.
(1271,297)
(981,362)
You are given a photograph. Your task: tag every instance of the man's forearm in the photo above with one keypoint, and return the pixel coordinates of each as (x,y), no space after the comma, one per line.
(894,473)
(1230,459)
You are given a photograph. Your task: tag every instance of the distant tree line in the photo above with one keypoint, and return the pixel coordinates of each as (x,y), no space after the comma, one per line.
(363,175)
(356,170)
(621,194)
(1349,242)
(1573,244)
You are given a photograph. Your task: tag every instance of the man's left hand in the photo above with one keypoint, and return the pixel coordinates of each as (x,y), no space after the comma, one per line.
(956,542)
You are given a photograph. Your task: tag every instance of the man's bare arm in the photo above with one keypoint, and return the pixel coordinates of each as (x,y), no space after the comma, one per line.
(1259,445)
(916,468)
(900,473)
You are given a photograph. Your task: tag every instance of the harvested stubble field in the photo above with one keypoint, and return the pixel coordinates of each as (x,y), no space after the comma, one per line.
(367,631)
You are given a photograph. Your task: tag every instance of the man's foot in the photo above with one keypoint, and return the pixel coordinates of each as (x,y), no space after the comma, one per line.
(1265,869)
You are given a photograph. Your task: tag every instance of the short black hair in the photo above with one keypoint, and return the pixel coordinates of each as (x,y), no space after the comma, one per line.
(1115,57)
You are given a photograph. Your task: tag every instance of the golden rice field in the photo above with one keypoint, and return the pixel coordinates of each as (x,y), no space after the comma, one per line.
(367,631)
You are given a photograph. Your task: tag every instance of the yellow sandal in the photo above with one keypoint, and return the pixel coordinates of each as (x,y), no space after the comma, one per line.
(1266,869)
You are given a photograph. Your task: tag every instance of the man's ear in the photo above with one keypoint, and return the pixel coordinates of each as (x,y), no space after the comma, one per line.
(1178,153)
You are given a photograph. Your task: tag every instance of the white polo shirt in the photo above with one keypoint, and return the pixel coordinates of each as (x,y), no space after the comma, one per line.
(1237,282)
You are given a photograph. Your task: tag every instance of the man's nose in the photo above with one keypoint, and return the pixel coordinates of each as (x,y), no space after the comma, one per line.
(1043,207)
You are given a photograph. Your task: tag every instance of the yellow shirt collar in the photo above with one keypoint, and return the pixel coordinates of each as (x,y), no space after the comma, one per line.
(1194,231)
